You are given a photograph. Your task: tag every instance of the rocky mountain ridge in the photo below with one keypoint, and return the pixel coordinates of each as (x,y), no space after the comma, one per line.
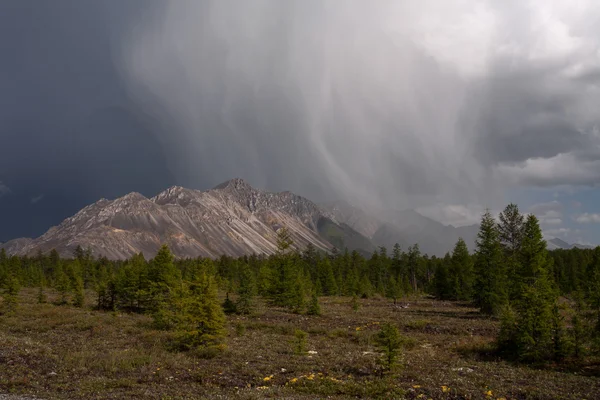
(232,219)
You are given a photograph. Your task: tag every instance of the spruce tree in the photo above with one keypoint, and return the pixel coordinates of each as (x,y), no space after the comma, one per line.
(490,278)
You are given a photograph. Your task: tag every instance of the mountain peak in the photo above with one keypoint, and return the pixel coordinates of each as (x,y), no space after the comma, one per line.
(235,183)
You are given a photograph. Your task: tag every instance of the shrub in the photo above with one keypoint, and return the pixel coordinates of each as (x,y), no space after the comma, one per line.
(300,341)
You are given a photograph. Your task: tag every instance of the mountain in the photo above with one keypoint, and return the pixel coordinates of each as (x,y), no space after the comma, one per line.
(232,219)
(13,246)
(557,243)
(406,227)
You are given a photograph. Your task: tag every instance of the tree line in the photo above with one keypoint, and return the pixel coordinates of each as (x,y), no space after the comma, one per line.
(548,302)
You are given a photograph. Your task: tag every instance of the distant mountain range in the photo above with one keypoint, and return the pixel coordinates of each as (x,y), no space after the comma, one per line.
(406,227)
(236,219)
(556,243)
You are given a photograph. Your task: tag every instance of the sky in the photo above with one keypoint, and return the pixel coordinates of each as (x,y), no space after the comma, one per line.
(447,107)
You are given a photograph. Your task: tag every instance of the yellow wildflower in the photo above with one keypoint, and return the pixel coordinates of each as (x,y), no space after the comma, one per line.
(158,369)
(293,380)
(311,377)
(267,378)
(358,328)
(488,393)
(262,387)
(416,386)
(445,389)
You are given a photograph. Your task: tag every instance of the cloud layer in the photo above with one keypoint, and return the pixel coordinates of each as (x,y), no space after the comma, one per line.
(394,103)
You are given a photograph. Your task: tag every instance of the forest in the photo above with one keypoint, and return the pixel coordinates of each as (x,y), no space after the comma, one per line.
(541,310)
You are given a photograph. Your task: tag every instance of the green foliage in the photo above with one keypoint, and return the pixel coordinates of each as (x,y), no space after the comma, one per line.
(229,306)
(42,298)
(300,342)
(389,341)
(510,233)
(355,303)
(314,308)
(461,272)
(511,273)
(10,295)
(443,286)
(79,294)
(490,278)
(247,291)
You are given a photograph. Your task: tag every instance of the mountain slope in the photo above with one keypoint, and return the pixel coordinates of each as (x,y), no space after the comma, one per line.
(557,243)
(233,219)
(407,227)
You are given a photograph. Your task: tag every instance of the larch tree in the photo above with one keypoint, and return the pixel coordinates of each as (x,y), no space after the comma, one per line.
(490,278)
(461,271)
(510,231)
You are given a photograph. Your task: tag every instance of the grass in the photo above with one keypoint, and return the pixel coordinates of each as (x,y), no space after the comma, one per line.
(61,352)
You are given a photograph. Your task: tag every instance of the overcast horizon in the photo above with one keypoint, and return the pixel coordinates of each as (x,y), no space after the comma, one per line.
(443,107)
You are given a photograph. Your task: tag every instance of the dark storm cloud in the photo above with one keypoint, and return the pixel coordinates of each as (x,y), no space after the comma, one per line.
(441,105)
(396,103)
(69,133)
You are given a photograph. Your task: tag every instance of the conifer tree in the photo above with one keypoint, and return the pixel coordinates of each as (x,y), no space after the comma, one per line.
(490,279)
(163,277)
(199,318)
(314,308)
(246,291)
(389,341)
(61,283)
(510,230)
(442,284)
(461,272)
(327,278)
(414,255)
(79,293)
(535,320)
(393,289)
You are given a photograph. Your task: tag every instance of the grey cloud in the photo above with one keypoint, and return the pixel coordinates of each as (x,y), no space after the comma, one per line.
(36,199)
(588,218)
(387,102)
(4,190)
(550,213)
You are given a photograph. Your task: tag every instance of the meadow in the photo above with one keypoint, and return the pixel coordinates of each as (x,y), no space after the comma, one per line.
(62,352)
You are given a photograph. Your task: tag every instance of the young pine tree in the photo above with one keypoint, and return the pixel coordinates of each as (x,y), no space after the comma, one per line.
(314,308)
(490,278)
(389,341)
